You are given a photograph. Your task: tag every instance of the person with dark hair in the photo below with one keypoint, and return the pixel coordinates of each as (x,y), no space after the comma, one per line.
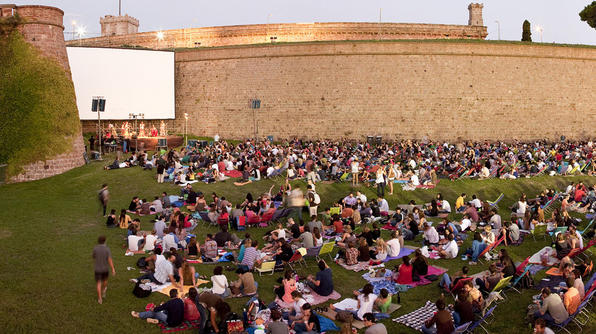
(276,326)
(170,313)
(220,282)
(164,271)
(191,311)
(463,310)
(488,282)
(102,263)
(322,284)
(289,284)
(223,238)
(551,308)
(478,247)
(219,315)
(366,301)
(448,283)
(245,285)
(111,221)
(372,327)
(441,322)
(251,255)
(420,265)
(403,272)
(210,248)
(540,327)
(309,323)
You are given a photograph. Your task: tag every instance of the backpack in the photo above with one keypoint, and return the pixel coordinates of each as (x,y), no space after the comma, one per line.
(141,290)
(317,200)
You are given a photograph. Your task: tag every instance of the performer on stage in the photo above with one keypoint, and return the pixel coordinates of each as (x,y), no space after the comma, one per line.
(162,129)
(112,130)
(154,132)
(142,129)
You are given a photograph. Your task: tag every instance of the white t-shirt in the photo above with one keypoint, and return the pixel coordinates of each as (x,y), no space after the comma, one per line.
(168,242)
(521,207)
(298,306)
(355,167)
(465,224)
(281,233)
(393,247)
(133,242)
(150,242)
(414,179)
(220,283)
(476,203)
(451,249)
(431,235)
(383,206)
(366,304)
(163,270)
(445,206)
(362,197)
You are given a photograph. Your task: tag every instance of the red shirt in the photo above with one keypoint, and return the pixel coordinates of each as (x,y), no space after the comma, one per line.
(339,226)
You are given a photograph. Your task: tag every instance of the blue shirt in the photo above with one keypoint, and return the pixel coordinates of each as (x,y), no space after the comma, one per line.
(325,279)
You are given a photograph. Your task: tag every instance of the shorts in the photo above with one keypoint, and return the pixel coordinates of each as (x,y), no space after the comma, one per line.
(101,276)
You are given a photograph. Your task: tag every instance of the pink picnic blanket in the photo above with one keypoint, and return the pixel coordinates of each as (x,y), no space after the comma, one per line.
(311,297)
(432,270)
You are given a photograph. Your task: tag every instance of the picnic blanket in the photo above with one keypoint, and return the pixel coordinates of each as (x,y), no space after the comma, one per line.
(183,184)
(550,282)
(165,288)
(232,173)
(385,282)
(311,297)
(360,266)
(404,251)
(186,325)
(552,259)
(352,304)
(417,318)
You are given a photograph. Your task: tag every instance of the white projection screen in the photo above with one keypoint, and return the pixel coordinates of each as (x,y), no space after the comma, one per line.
(131,81)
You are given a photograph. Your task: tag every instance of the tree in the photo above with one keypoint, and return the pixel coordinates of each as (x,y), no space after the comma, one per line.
(588,14)
(526,32)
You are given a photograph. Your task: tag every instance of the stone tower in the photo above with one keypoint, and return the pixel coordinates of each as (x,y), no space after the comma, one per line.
(475,18)
(43,28)
(118,25)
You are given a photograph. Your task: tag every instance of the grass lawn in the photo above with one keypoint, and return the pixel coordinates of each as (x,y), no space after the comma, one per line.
(50,227)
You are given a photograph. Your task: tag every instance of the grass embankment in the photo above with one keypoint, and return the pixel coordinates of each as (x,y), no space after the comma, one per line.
(50,226)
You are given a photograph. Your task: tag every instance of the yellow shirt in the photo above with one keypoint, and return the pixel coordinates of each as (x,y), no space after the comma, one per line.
(459,202)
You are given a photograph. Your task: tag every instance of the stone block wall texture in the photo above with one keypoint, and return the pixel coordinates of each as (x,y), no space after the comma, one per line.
(43,28)
(286,32)
(118,25)
(440,90)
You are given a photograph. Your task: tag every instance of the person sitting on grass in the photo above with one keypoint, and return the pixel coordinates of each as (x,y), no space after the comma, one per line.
(170,313)
(210,248)
(372,326)
(187,274)
(431,237)
(191,312)
(322,284)
(403,273)
(245,285)
(383,301)
(394,244)
(309,323)
(511,233)
(124,220)
(478,247)
(450,249)
(420,265)
(441,322)
(164,272)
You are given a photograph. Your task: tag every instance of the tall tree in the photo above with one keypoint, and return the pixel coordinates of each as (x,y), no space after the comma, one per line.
(526,32)
(588,14)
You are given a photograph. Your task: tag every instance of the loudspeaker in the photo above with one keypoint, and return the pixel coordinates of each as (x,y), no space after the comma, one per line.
(102,105)
(379,140)
(94,104)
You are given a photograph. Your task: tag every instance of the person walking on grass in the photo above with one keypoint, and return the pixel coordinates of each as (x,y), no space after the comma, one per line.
(104,196)
(102,263)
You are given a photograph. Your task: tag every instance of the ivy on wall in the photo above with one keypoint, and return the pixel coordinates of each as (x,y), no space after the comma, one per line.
(38,112)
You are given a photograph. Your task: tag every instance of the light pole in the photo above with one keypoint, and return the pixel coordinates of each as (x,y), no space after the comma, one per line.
(185,129)
(540,30)
(159,37)
(498,28)
(81,31)
(74,25)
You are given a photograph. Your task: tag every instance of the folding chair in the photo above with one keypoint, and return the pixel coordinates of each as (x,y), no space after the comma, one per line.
(480,321)
(494,204)
(462,328)
(241,223)
(336,210)
(266,267)
(296,258)
(519,278)
(490,248)
(502,285)
(326,249)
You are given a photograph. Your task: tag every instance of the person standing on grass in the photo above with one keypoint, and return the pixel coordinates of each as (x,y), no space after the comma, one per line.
(104,196)
(103,262)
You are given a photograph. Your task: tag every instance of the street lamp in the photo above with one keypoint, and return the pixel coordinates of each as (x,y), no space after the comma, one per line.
(159,36)
(185,129)
(498,28)
(74,25)
(81,31)
(539,29)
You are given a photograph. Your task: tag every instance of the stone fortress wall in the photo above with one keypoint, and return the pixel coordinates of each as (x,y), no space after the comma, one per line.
(398,90)
(43,28)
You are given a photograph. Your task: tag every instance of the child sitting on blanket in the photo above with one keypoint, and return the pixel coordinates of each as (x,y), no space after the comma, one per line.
(383,301)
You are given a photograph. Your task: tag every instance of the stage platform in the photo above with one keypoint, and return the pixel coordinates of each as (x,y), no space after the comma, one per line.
(150,143)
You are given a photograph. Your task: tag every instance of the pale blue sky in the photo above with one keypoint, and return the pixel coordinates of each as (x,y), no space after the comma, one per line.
(559,18)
